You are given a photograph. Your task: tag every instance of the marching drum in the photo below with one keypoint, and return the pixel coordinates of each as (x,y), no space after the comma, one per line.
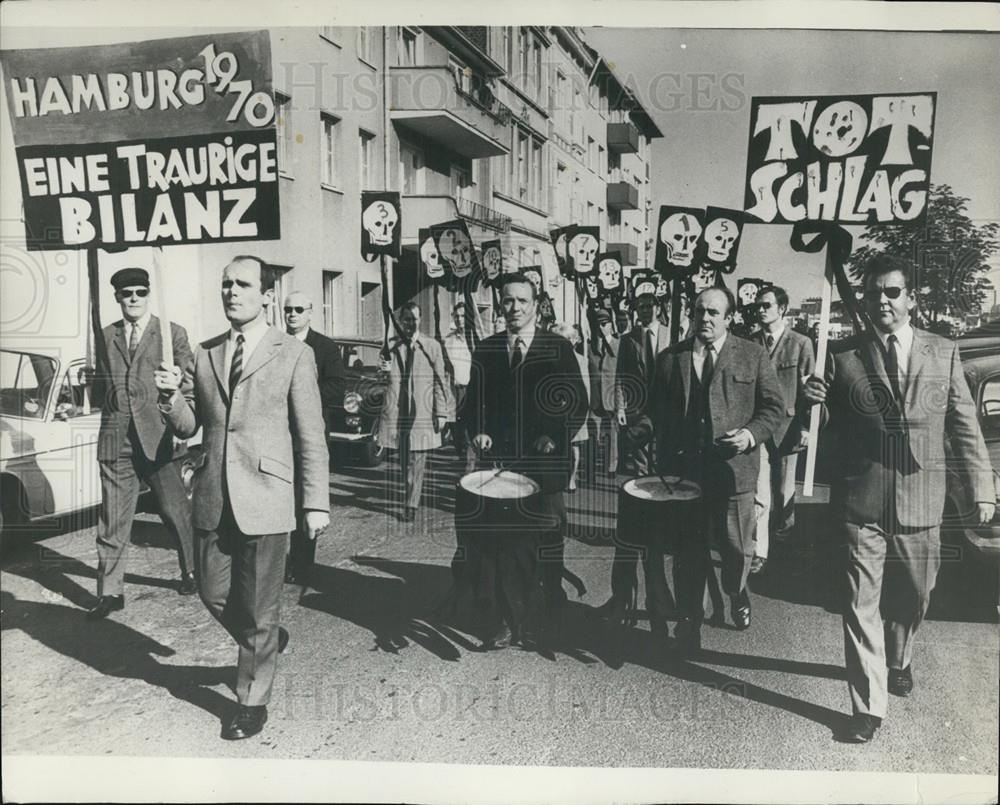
(494,501)
(655,505)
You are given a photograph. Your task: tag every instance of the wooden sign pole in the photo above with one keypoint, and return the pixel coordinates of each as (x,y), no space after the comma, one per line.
(166,333)
(821,346)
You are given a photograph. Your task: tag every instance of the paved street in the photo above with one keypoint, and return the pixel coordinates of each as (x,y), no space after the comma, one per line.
(371,677)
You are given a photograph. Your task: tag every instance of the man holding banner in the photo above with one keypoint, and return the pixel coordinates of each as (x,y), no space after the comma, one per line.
(893,398)
(254,390)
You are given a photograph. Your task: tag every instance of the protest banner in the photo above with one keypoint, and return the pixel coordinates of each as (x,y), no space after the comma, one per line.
(380,224)
(841,159)
(151,143)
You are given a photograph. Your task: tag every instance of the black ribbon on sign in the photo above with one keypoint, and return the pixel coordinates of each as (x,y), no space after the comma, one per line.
(448,366)
(471,333)
(387,314)
(838,243)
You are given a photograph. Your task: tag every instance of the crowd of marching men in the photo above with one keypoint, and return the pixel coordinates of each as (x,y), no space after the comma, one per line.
(708,420)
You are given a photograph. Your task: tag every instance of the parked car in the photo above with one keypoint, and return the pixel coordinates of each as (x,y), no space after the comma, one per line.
(353,422)
(49,425)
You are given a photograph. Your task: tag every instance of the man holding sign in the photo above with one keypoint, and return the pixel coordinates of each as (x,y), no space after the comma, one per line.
(893,399)
(255,392)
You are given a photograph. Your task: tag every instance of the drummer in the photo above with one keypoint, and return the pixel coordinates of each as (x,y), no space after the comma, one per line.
(524,402)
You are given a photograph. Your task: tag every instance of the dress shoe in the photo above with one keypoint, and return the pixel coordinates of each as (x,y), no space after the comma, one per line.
(106,604)
(900,682)
(861,728)
(687,637)
(741,610)
(283,639)
(186,585)
(248,721)
(409,514)
(298,577)
(500,639)
(757,564)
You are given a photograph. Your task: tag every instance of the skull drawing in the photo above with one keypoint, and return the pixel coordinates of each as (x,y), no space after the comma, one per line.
(583,250)
(379,220)
(492,263)
(535,278)
(456,248)
(591,287)
(747,293)
(703,278)
(431,259)
(609,270)
(679,234)
(720,235)
(840,128)
(662,288)
(561,247)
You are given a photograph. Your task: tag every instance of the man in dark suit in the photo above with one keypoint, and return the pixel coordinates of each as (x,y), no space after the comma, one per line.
(793,360)
(524,403)
(893,399)
(716,399)
(638,350)
(134,444)
(332,385)
(254,392)
(603,362)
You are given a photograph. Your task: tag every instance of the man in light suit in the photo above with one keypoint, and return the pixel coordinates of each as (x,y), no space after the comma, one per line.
(603,404)
(332,386)
(793,360)
(893,398)
(133,443)
(716,400)
(254,391)
(417,404)
(637,354)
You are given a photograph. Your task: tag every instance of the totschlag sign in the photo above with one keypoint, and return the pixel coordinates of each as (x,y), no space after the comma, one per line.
(859,159)
(154,143)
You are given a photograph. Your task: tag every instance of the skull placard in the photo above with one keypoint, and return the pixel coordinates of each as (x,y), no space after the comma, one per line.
(534,276)
(560,240)
(609,272)
(492,261)
(591,289)
(430,257)
(380,228)
(582,247)
(456,248)
(677,239)
(721,239)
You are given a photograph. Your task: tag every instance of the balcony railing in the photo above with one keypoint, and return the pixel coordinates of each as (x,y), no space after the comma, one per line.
(481,214)
(623,138)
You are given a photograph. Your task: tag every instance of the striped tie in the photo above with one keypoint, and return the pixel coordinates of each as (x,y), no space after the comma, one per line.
(236,369)
(133,340)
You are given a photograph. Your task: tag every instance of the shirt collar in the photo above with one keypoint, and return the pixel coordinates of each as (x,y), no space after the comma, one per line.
(776,334)
(700,346)
(252,334)
(143,322)
(904,335)
(526,337)
(301,334)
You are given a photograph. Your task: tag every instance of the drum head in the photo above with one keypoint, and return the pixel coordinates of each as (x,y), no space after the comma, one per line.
(651,487)
(502,485)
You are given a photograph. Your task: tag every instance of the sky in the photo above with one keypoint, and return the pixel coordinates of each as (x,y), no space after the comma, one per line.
(697,85)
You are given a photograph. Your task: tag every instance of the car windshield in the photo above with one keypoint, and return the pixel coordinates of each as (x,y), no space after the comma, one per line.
(358,356)
(25,382)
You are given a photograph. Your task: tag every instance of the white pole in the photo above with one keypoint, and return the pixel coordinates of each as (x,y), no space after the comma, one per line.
(821,344)
(166,336)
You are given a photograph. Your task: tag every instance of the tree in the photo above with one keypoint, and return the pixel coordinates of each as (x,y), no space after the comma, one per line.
(949,255)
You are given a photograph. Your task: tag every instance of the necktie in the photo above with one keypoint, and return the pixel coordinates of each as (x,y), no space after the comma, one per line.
(133,340)
(405,394)
(518,356)
(650,353)
(708,367)
(892,366)
(236,368)
(769,340)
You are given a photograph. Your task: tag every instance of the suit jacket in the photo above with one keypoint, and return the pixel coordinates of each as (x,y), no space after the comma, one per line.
(872,466)
(259,445)
(633,378)
(430,395)
(603,370)
(793,359)
(128,391)
(544,396)
(330,371)
(743,393)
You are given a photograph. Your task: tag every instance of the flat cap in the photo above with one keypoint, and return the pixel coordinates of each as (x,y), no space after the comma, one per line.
(129,278)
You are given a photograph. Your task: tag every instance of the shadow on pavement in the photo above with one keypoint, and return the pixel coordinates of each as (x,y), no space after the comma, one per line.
(116,650)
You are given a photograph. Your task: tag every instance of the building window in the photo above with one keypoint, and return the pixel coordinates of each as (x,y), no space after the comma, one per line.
(275,277)
(591,153)
(366,150)
(366,42)
(283,122)
(332,285)
(329,150)
(590,214)
(406,46)
(461,182)
(411,169)
(602,164)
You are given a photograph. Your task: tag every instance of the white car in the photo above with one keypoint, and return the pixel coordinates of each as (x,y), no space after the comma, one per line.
(48,440)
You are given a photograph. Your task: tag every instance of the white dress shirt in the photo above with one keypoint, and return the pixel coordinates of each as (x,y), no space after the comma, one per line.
(301,335)
(252,336)
(700,350)
(526,337)
(776,335)
(139,325)
(904,343)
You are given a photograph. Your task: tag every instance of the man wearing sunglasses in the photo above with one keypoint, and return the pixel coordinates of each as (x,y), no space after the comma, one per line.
(332,380)
(793,360)
(892,398)
(134,443)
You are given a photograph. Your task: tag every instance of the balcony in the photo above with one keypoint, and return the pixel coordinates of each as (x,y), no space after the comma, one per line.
(623,138)
(422,212)
(431,102)
(623,195)
(628,251)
